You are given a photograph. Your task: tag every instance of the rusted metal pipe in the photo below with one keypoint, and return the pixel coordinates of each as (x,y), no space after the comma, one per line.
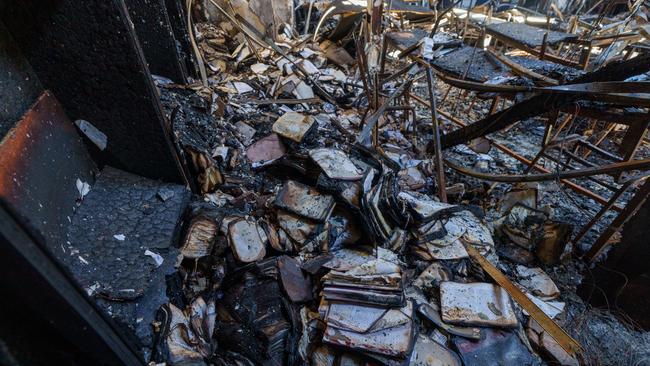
(632,207)
(440,173)
(576,188)
(571,174)
(585,229)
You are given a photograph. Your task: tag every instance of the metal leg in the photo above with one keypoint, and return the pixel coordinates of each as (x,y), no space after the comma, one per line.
(632,207)
(442,192)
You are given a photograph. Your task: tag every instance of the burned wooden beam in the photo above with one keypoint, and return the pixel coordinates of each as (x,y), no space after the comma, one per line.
(602,113)
(626,93)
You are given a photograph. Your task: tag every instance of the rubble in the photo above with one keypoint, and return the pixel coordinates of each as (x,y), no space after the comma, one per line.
(537,282)
(189,339)
(366,191)
(499,347)
(254,319)
(428,352)
(296,284)
(346,221)
(335,164)
(433,315)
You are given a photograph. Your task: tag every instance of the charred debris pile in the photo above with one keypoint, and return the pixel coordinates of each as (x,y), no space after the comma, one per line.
(389,183)
(353,208)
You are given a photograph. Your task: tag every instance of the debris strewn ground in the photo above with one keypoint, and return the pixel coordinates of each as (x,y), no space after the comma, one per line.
(321,236)
(382,183)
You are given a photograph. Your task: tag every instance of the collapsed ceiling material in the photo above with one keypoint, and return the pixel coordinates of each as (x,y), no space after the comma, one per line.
(384,183)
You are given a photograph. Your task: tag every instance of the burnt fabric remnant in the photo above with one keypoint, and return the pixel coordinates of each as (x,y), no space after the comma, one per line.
(372,183)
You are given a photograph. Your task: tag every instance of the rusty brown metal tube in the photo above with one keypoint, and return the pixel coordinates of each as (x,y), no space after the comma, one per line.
(576,188)
(440,173)
(571,174)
